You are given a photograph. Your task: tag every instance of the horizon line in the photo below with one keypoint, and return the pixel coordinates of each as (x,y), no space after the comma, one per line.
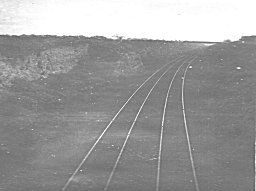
(114,37)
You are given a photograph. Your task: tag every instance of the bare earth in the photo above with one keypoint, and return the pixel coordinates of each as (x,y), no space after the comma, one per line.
(49,123)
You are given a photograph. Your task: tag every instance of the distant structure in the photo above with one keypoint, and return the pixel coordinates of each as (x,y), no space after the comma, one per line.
(204,43)
(248,39)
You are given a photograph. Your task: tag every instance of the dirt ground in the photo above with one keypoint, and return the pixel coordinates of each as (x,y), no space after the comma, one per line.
(47,125)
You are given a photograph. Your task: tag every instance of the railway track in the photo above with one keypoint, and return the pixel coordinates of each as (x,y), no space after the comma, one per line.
(163,125)
(101,164)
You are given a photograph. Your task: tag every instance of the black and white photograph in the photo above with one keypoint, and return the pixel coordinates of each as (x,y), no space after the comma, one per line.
(127,95)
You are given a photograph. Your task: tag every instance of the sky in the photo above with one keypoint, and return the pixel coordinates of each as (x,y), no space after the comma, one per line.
(203,20)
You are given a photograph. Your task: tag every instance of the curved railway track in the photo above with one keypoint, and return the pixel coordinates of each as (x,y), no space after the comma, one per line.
(163,124)
(126,125)
(186,129)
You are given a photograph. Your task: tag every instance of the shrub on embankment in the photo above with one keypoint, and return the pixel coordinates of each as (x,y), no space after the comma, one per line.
(41,64)
(33,57)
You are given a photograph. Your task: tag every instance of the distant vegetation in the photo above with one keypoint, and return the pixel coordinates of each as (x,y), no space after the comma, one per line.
(31,57)
(248,39)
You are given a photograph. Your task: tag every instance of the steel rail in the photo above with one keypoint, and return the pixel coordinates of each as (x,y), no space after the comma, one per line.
(112,120)
(186,130)
(162,127)
(131,128)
